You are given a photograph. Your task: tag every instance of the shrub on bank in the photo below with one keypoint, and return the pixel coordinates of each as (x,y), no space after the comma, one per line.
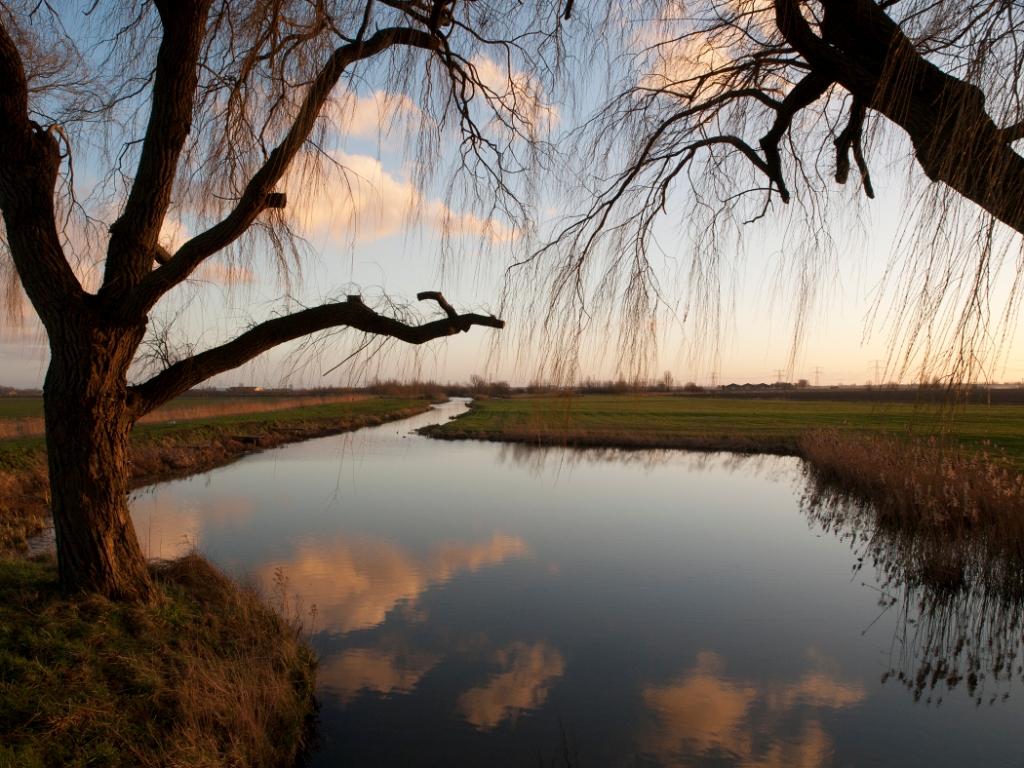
(209,675)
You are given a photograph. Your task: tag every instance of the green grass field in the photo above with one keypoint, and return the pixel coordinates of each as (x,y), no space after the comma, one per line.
(710,422)
(32,407)
(20,407)
(371,407)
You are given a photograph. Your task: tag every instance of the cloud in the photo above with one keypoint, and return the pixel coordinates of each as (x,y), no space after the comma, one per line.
(212,271)
(372,116)
(371,204)
(692,67)
(355,582)
(692,62)
(174,233)
(170,527)
(528,672)
(704,713)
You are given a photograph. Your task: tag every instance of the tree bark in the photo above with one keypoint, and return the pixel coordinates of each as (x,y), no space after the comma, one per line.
(88,423)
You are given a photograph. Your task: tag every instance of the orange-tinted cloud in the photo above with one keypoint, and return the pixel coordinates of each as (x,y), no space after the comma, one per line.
(371,203)
(371,116)
(169,527)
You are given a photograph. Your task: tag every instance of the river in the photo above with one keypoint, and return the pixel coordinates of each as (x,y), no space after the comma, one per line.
(487,604)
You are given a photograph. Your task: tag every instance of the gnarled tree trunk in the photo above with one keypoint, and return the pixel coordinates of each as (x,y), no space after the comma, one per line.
(93,336)
(88,423)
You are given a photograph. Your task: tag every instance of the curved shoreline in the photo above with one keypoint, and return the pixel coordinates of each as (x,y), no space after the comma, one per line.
(176,450)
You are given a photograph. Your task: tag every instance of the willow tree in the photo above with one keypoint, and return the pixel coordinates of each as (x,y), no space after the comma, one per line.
(210,105)
(726,115)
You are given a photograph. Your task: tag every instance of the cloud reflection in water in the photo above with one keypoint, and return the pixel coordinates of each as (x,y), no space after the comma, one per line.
(705,715)
(355,581)
(528,672)
(381,670)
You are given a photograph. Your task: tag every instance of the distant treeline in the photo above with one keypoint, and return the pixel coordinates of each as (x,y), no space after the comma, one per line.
(478,386)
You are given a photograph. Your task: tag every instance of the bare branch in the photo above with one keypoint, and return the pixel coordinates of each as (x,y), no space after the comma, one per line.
(441,300)
(850,138)
(255,197)
(28,176)
(804,93)
(1012,133)
(352,313)
(135,232)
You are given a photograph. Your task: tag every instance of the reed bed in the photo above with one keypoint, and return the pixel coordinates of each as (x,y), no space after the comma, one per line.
(25,426)
(930,485)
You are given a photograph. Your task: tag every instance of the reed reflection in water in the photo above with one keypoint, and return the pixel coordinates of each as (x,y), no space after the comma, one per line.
(958,601)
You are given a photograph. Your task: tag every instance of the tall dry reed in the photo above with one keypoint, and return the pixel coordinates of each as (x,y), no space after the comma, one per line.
(943,527)
(926,484)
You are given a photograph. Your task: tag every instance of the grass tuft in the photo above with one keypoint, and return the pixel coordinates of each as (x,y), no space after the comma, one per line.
(208,676)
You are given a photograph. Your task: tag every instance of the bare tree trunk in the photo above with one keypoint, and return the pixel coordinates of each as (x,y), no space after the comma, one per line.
(88,423)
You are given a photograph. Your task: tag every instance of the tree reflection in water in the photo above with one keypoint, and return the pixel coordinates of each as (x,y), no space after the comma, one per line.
(959,600)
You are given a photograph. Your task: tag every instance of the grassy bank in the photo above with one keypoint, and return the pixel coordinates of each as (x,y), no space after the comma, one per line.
(23,416)
(172,449)
(742,425)
(207,676)
(949,475)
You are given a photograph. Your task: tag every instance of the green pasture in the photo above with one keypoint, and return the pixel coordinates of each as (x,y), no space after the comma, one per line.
(14,449)
(666,418)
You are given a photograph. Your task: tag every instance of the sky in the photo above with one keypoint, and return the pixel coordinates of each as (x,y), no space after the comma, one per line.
(379,235)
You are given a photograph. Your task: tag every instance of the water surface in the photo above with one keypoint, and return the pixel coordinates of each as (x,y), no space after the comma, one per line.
(485,604)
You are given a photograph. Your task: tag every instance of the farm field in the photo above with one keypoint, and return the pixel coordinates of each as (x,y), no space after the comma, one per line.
(718,423)
(23,416)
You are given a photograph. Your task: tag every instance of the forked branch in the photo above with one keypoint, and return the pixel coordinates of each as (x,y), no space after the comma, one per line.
(258,194)
(352,313)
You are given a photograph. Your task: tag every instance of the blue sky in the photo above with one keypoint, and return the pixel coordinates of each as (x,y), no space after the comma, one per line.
(379,234)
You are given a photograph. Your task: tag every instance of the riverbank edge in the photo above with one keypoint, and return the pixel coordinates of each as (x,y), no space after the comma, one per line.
(186,449)
(569,439)
(920,484)
(211,673)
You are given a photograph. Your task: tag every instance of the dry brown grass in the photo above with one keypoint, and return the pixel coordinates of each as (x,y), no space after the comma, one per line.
(24,499)
(209,676)
(927,485)
(27,426)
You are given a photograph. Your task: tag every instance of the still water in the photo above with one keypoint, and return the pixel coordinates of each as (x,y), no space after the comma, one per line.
(485,604)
